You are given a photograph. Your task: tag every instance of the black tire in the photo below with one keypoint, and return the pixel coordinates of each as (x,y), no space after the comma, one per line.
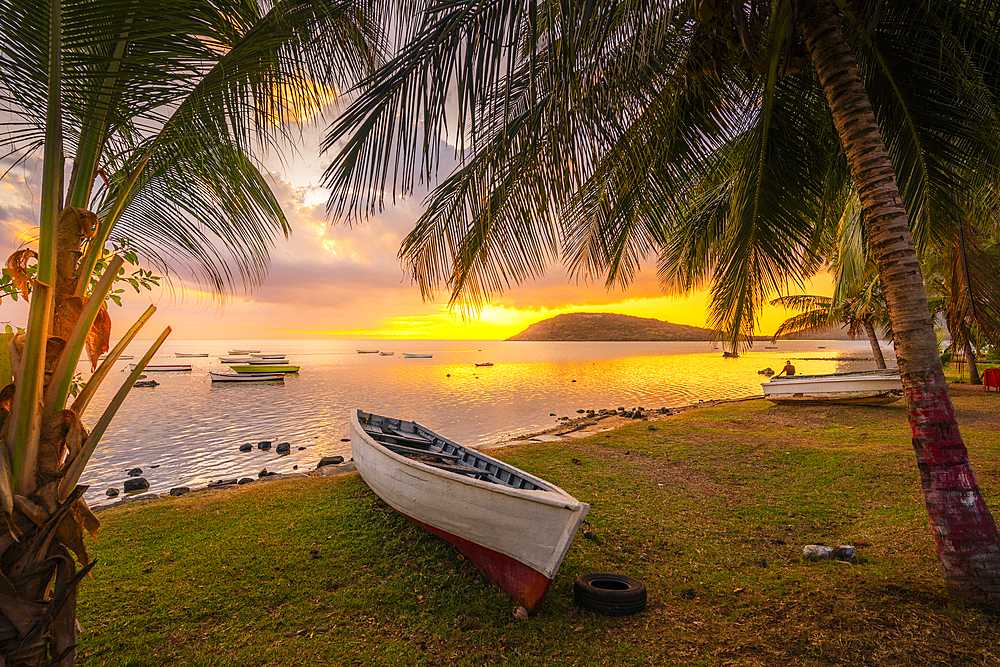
(610,594)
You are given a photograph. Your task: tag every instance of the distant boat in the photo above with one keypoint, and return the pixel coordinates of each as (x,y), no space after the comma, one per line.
(234,360)
(124,356)
(416,355)
(878,387)
(386,354)
(185,354)
(265,362)
(770,347)
(264,368)
(242,351)
(513,526)
(246,377)
(162,367)
(367,351)
(258,355)
(487,364)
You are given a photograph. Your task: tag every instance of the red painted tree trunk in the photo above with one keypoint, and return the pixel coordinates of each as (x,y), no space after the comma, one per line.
(965,534)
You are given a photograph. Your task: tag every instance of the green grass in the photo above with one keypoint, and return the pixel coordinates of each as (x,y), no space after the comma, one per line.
(711,511)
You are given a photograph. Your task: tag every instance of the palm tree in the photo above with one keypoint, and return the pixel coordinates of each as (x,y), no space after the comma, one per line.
(720,135)
(164,106)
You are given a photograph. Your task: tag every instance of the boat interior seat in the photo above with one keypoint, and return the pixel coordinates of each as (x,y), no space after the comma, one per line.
(412,451)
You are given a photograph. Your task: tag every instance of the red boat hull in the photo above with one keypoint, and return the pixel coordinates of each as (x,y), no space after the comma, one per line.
(524,584)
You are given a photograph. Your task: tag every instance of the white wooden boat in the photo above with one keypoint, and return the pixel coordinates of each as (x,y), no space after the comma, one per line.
(234,360)
(258,355)
(162,367)
(246,377)
(386,354)
(264,362)
(367,351)
(416,355)
(124,356)
(188,355)
(242,351)
(513,526)
(878,387)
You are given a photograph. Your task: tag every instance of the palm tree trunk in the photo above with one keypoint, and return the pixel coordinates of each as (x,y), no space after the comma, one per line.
(968,545)
(876,348)
(970,356)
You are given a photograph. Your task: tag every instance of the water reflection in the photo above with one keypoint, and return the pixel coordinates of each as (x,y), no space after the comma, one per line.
(187,430)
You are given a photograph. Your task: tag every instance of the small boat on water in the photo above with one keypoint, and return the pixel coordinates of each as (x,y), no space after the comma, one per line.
(367,351)
(879,387)
(124,356)
(234,360)
(513,526)
(188,355)
(485,365)
(386,354)
(264,368)
(263,362)
(162,367)
(258,355)
(416,355)
(242,351)
(246,377)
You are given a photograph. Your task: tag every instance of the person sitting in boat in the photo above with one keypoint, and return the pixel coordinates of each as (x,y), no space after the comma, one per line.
(788,370)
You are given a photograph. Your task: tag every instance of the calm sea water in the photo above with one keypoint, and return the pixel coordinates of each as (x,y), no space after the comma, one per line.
(187,430)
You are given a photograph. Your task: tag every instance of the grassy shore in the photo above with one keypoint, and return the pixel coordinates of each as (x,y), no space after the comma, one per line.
(711,510)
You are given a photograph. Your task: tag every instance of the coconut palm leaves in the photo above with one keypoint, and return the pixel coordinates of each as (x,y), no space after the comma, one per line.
(166,104)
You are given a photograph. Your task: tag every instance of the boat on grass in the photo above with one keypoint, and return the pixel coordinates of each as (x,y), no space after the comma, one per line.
(879,387)
(246,377)
(513,526)
(264,368)
(162,367)
(417,355)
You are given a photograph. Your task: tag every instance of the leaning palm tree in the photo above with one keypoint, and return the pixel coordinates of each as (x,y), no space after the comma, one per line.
(719,135)
(163,106)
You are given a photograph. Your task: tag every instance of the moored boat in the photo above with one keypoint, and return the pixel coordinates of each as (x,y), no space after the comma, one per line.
(246,377)
(484,365)
(513,526)
(416,355)
(162,367)
(264,368)
(189,354)
(243,351)
(878,387)
(367,351)
(386,354)
(234,360)
(264,362)
(258,355)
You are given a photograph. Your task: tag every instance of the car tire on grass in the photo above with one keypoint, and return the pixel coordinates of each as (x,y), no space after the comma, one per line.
(610,594)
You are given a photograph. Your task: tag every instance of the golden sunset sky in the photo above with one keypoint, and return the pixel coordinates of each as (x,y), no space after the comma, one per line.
(346,282)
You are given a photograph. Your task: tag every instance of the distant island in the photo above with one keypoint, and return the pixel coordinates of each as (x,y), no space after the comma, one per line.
(614,327)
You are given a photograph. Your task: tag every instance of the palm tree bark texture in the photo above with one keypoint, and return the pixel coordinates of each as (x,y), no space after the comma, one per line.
(965,534)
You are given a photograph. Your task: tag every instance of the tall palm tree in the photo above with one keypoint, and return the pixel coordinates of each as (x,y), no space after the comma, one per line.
(721,135)
(164,106)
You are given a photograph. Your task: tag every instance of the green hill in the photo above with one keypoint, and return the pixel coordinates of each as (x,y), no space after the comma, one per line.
(610,327)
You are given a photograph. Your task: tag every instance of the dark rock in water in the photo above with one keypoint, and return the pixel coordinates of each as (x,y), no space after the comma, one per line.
(112,493)
(572,380)
(301,448)
(246,447)
(156,466)
(146,383)
(628,414)
(180,490)
(135,472)
(245,480)
(767,372)
(265,445)
(345,439)
(663,411)
(729,355)
(137,484)
(552,414)
(295,467)
(283,448)
(330,461)
(580,411)
(222,482)
(263,473)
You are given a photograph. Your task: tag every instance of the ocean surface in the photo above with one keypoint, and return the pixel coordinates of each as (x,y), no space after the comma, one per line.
(187,431)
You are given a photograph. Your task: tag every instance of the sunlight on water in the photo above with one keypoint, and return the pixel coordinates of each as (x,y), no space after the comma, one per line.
(187,430)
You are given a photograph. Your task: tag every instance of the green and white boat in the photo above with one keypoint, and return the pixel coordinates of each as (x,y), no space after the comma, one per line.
(262,368)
